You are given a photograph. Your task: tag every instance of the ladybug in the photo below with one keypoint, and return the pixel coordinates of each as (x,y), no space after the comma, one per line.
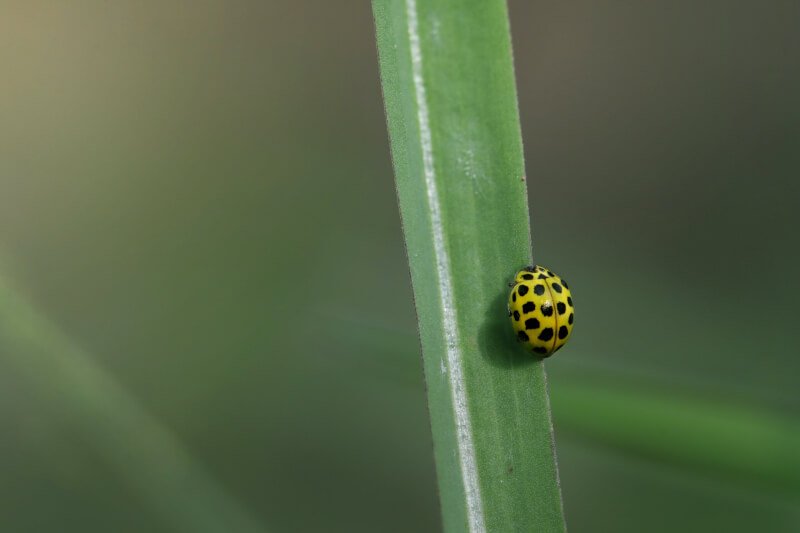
(541,311)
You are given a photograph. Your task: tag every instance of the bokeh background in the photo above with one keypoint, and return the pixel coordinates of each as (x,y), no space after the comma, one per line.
(206,278)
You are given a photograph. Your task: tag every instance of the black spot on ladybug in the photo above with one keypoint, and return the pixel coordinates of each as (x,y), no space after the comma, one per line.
(532,323)
(538,289)
(528,307)
(542,276)
(516,316)
(571,318)
(546,334)
(561,308)
(547,308)
(522,290)
(527,276)
(551,273)
(540,350)
(514,296)
(522,336)
(564,283)
(556,287)
(563,332)
(569,300)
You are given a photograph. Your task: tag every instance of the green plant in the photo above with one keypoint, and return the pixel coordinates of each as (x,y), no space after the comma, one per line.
(136,446)
(449,90)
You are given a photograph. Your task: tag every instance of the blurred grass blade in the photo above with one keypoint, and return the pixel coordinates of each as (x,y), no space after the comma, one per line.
(734,441)
(451,105)
(144,453)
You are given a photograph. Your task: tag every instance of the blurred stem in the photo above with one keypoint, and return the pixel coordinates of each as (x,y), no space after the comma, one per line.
(145,454)
(734,441)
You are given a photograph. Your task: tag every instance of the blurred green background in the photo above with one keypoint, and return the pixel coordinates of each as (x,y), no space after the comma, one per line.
(208,322)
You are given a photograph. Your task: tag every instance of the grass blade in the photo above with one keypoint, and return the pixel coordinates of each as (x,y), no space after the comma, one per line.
(734,441)
(136,446)
(448,85)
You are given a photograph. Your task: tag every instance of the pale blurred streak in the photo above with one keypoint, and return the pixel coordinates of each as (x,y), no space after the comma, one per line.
(141,451)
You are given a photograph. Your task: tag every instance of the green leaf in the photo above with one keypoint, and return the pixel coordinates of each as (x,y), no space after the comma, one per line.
(448,84)
(733,440)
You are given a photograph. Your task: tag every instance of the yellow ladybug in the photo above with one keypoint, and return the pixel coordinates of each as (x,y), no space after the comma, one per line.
(541,311)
